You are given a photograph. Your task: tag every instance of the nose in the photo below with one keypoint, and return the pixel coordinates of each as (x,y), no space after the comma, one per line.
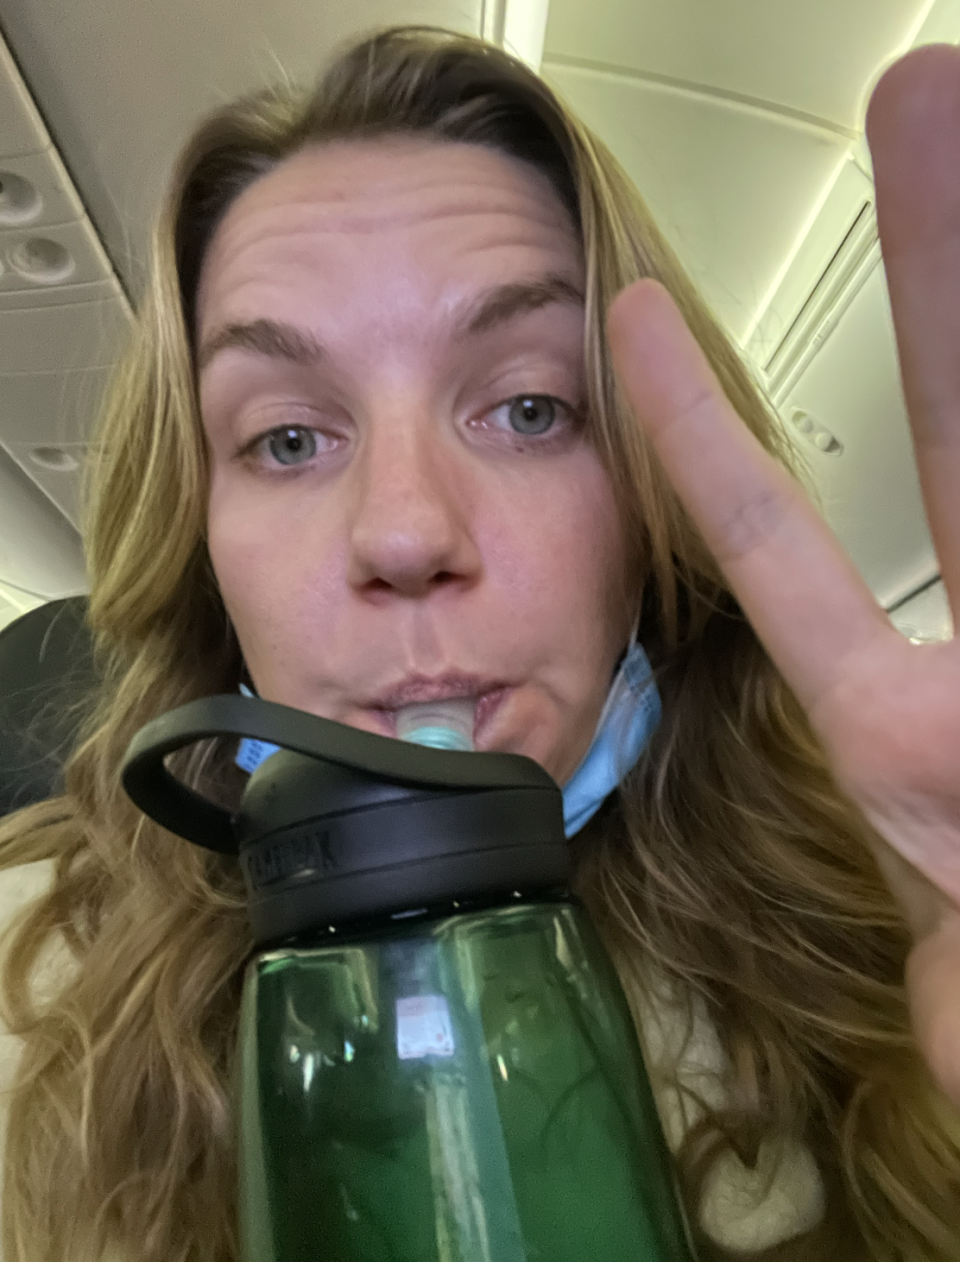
(409,532)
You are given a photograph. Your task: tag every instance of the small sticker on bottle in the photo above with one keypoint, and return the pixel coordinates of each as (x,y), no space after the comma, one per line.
(423,1027)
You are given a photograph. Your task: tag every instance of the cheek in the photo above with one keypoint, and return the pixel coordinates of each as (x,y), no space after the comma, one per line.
(566,535)
(563,599)
(274,570)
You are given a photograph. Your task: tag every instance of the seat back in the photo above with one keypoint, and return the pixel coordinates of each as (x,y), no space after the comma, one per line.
(46,669)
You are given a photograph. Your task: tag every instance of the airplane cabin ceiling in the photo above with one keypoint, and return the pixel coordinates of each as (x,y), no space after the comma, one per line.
(811,60)
(732,118)
(739,120)
(741,123)
(121,83)
(732,186)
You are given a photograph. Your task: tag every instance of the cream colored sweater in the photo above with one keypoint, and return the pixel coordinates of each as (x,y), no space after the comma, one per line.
(739,1210)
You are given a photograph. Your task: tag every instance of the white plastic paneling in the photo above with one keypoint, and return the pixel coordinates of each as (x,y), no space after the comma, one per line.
(14,603)
(60,295)
(854,263)
(813,58)
(21,128)
(10,608)
(843,201)
(525,28)
(925,616)
(42,326)
(41,257)
(40,552)
(60,482)
(942,25)
(871,493)
(50,408)
(121,83)
(72,335)
(36,190)
(732,187)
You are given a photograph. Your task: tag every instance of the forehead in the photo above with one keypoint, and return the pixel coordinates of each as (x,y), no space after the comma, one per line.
(430,207)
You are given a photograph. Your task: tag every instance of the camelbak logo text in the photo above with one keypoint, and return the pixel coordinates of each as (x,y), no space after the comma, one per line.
(306,851)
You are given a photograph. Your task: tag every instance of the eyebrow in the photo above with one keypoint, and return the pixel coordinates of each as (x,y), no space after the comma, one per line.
(272,338)
(505,302)
(276,339)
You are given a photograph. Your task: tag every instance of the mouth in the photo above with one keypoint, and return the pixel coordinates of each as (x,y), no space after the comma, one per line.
(488,694)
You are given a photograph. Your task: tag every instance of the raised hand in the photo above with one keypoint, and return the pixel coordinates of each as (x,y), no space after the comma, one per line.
(886,710)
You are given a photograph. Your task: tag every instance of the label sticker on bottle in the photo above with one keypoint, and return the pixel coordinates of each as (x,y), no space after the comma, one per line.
(423,1027)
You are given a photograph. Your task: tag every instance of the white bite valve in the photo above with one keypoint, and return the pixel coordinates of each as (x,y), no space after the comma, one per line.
(439,724)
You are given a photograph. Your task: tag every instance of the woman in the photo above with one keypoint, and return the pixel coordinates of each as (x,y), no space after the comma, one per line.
(369,448)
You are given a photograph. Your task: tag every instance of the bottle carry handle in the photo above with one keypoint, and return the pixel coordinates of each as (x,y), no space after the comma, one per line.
(181,810)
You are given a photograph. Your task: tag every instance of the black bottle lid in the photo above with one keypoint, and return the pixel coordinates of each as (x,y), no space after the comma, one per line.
(341,825)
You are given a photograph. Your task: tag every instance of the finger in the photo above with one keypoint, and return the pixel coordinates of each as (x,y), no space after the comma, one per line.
(800,591)
(933,985)
(914,130)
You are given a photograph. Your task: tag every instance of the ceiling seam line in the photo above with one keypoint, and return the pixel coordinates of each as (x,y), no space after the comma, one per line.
(917,591)
(704,91)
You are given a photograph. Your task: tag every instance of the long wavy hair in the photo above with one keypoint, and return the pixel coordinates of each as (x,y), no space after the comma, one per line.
(728,868)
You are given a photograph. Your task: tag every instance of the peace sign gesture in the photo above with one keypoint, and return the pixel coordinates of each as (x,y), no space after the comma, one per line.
(887,711)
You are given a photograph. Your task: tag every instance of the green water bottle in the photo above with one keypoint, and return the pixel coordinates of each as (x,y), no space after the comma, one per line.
(436,1062)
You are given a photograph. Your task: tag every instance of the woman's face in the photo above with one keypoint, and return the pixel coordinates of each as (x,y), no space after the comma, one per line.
(404,504)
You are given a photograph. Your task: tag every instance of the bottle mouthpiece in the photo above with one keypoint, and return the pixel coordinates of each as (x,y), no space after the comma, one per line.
(438,724)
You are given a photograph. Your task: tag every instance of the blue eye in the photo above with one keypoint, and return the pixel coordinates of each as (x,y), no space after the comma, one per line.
(532,413)
(292,445)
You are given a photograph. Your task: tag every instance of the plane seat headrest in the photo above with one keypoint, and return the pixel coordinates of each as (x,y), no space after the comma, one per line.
(46,671)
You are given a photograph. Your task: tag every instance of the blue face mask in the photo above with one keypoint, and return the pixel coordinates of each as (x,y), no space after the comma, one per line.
(630,717)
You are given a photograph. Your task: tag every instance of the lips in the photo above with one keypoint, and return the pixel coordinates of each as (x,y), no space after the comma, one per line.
(488,693)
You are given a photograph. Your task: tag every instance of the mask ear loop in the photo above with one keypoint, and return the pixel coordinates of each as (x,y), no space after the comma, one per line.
(630,644)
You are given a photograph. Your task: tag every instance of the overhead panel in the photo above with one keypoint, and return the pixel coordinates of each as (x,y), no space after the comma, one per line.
(736,121)
(46,421)
(731,186)
(814,58)
(22,134)
(63,317)
(925,617)
(868,482)
(57,406)
(831,365)
(122,84)
(742,123)
(842,231)
(64,335)
(32,181)
(52,564)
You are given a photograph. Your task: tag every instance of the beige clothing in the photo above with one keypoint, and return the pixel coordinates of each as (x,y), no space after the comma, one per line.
(739,1211)
(742,1209)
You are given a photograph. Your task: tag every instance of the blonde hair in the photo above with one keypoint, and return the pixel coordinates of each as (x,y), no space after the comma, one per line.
(728,864)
